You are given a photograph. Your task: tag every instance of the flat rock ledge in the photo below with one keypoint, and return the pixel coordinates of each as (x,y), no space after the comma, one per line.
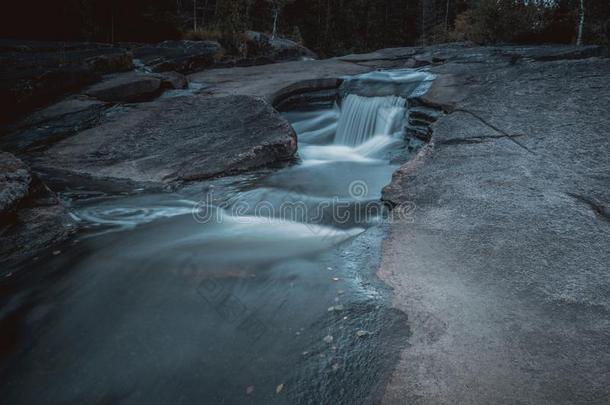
(135,86)
(31,217)
(176,140)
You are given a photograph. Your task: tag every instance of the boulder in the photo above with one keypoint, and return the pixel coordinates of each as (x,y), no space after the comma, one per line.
(286,49)
(175,140)
(32,219)
(179,56)
(277,49)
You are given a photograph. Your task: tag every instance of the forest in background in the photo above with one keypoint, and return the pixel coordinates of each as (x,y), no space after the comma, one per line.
(328,27)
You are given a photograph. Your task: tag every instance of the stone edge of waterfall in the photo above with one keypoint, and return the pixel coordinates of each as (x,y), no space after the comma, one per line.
(388,82)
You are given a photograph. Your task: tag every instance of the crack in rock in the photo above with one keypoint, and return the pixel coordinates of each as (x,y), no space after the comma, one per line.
(504,133)
(474,139)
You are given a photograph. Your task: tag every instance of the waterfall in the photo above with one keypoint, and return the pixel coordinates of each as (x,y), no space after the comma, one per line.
(363,117)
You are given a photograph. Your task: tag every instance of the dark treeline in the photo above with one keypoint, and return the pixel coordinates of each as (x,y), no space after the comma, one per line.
(326,26)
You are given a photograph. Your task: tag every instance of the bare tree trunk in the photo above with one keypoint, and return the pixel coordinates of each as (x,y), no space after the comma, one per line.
(194,15)
(327,23)
(205,7)
(276,14)
(423,22)
(112,22)
(447,19)
(581,22)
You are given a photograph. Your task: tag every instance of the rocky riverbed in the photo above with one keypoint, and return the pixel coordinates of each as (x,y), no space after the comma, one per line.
(502,268)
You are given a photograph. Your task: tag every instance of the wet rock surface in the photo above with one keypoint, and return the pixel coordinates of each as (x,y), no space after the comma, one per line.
(173,140)
(31,216)
(502,267)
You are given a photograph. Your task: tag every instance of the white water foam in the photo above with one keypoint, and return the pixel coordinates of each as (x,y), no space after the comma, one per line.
(361,117)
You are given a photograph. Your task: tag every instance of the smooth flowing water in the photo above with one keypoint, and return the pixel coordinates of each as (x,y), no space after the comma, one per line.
(253,289)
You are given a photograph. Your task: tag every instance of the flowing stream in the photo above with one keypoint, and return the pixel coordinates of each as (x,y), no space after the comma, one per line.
(258,288)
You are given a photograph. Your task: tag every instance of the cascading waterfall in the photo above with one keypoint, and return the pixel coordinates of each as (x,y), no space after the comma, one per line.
(364,117)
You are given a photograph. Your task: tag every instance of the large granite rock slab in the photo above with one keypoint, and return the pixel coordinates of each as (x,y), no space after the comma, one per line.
(467,52)
(501,259)
(176,140)
(32,219)
(279,81)
(128,87)
(135,86)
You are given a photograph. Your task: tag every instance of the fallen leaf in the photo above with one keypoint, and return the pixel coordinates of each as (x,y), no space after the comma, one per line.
(328,339)
(279,388)
(250,389)
(57,252)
